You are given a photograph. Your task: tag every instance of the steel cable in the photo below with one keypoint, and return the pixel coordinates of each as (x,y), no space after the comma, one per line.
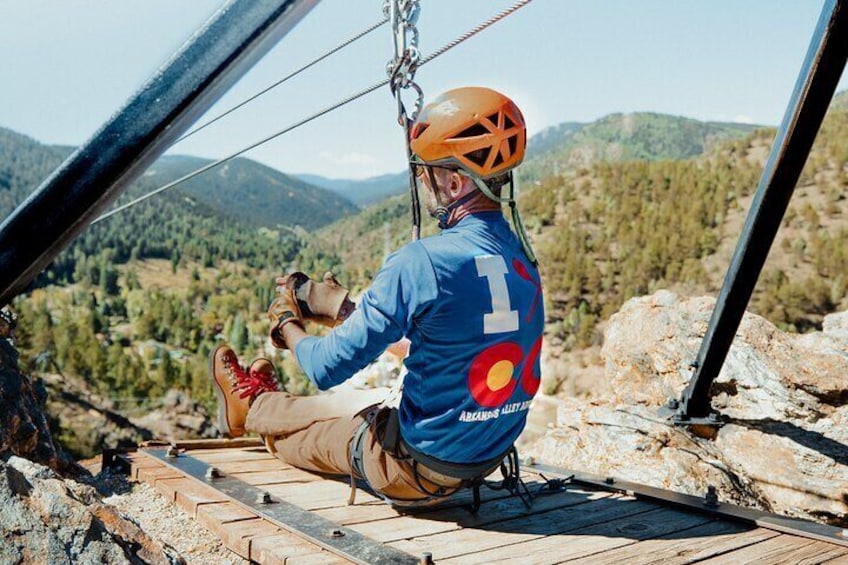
(442,50)
(293,74)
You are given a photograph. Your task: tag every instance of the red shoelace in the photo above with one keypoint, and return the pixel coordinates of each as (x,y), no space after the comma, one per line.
(251,384)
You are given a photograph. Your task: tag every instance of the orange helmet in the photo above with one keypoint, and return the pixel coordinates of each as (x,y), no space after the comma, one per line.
(477,129)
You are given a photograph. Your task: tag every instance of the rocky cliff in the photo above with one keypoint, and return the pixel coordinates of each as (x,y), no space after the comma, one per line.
(47,512)
(785,447)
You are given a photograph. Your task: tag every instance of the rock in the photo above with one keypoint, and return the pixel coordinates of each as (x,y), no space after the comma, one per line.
(24,429)
(785,448)
(48,519)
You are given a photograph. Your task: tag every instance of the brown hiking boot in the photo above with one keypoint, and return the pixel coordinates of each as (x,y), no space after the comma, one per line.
(236,388)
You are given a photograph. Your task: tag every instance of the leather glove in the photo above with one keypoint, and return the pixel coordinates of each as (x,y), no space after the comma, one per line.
(326,302)
(284,309)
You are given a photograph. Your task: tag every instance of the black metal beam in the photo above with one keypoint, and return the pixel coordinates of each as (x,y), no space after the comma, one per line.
(813,92)
(708,504)
(226,47)
(338,539)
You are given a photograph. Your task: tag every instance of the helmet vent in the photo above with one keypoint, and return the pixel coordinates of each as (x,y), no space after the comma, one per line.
(478,157)
(513,144)
(473,131)
(498,159)
(508,123)
(494,119)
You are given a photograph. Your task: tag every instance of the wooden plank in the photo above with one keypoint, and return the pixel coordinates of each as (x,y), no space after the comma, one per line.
(218,443)
(686,546)
(229,455)
(359,512)
(237,535)
(188,493)
(150,475)
(214,514)
(783,549)
(368,511)
(517,530)
(277,476)
(841,560)
(406,527)
(139,460)
(323,558)
(281,548)
(315,495)
(586,541)
(250,466)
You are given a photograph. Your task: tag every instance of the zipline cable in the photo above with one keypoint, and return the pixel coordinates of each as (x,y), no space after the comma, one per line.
(447,47)
(293,74)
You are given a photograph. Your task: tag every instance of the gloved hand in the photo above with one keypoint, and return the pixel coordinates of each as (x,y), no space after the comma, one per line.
(284,309)
(326,302)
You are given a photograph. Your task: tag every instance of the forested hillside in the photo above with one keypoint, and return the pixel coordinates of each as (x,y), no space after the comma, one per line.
(360,242)
(137,302)
(623,137)
(253,193)
(616,229)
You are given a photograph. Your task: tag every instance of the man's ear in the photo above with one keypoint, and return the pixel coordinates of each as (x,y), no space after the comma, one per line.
(455,184)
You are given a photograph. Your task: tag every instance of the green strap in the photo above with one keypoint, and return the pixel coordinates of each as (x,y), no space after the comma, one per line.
(516,217)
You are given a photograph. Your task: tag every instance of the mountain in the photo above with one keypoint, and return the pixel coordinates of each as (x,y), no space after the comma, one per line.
(551,138)
(243,190)
(175,225)
(360,241)
(660,204)
(24,162)
(624,137)
(253,193)
(363,192)
(616,137)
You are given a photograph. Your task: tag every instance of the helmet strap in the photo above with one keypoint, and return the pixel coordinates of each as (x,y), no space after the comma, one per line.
(441,212)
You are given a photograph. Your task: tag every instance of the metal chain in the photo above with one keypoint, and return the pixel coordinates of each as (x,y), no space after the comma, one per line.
(293,74)
(349,99)
(403,15)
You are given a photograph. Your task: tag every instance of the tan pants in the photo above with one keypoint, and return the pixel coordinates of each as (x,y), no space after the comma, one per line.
(314,433)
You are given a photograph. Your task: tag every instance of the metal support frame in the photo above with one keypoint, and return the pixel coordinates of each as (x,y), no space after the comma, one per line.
(340,540)
(225,48)
(708,504)
(814,88)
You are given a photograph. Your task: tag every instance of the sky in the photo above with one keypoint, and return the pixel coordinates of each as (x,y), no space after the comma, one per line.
(68,65)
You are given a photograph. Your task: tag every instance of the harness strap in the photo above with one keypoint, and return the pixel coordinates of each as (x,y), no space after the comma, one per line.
(463,471)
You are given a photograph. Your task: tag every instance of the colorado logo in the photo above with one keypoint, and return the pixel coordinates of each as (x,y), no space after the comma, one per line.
(492,376)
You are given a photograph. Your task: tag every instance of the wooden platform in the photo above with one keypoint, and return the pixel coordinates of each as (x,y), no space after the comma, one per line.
(574,524)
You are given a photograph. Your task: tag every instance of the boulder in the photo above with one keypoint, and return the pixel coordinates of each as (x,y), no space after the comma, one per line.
(785,447)
(48,519)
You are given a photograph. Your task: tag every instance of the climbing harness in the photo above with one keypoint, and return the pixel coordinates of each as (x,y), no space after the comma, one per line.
(441,51)
(403,15)
(447,478)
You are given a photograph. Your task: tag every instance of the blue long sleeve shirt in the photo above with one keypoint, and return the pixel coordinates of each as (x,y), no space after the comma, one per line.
(471,305)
